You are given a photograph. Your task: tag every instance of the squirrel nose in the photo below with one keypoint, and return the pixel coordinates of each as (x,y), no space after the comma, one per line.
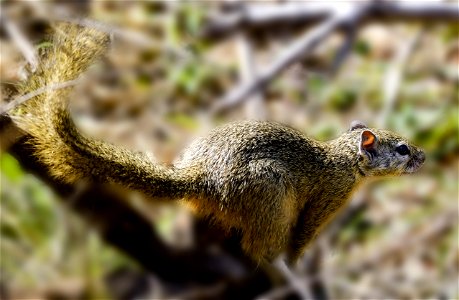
(421,156)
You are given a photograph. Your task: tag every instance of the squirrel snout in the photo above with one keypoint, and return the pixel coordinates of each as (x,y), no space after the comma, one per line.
(421,157)
(417,161)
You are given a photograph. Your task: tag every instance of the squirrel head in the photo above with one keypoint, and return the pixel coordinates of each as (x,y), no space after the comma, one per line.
(384,153)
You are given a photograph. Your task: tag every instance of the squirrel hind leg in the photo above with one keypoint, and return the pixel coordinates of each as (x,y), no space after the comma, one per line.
(267,231)
(259,245)
(267,235)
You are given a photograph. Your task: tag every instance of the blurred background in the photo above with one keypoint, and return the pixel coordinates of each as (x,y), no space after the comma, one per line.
(175,70)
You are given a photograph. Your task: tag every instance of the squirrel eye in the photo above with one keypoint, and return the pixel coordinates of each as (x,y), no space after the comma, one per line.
(402,150)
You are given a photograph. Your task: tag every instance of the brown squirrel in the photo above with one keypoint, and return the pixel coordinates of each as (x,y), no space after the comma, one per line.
(271,182)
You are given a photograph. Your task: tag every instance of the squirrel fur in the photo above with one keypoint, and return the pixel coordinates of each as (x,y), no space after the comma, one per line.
(271,182)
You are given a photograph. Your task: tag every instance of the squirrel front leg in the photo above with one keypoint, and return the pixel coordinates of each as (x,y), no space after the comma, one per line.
(315,215)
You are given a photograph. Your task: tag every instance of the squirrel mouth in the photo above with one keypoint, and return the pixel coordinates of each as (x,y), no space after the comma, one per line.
(414,164)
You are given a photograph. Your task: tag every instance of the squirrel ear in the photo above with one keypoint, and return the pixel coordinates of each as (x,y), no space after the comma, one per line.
(367,140)
(356,124)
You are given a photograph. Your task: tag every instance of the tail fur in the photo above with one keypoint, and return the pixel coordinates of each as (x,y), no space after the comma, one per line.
(58,143)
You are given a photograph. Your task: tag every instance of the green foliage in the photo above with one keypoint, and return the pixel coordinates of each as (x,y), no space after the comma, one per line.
(10,168)
(184,121)
(441,139)
(452,32)
(190,78)
(41,240)
(316,84)
(362,48)
(342,100)
(188,20)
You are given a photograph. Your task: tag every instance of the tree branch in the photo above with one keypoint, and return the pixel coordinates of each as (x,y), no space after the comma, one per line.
(268,16)
(127,230)
(304,45)
(338,16)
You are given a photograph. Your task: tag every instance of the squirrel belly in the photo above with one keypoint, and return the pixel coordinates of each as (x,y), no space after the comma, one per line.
(271,182)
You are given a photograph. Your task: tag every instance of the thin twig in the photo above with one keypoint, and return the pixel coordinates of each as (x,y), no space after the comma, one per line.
(291,55)
(131,36)
(393,78)
(345,49)
(298,284)
(21,99)
(24,46)
(254,108)
(305,44)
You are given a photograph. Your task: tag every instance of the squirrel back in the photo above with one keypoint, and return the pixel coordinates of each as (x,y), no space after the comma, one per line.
(274,184)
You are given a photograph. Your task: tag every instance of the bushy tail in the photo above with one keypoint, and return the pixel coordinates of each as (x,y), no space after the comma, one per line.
(58,143)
